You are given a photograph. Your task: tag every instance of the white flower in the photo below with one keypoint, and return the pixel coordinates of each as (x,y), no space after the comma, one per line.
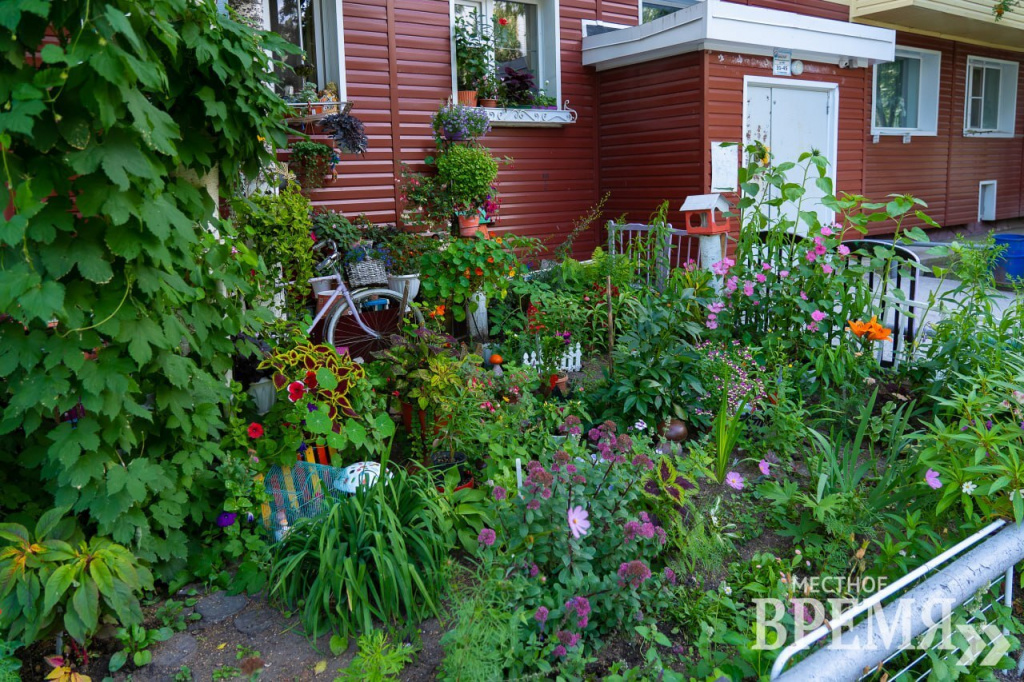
(640,425)
(969,487)
(726,589)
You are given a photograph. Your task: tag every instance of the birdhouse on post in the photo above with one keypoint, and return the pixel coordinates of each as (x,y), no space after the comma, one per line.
(702,214)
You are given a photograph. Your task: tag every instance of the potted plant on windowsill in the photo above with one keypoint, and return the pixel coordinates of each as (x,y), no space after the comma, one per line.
(455,123)
(487,91)
(467,171)
(473,50)
(517,88)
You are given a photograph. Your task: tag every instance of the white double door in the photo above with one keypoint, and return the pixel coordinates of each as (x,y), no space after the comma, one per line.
(793,117)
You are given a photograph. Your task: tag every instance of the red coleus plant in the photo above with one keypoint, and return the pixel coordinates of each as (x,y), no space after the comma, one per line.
(316,364)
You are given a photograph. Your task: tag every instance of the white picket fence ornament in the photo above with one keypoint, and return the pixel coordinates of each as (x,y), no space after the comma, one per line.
(571,360)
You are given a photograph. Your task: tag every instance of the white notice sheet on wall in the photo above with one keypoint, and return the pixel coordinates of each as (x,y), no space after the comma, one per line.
(724,167)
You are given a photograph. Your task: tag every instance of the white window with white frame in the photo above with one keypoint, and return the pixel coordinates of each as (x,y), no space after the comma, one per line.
(315,26)
(525,39)
(990,105)
(905,97)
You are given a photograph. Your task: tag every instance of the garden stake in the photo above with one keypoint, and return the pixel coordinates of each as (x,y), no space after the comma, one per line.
(611,326)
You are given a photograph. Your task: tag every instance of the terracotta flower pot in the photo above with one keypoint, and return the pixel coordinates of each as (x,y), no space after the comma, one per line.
(467,98)
(488,103)
(562,383)
(469,225)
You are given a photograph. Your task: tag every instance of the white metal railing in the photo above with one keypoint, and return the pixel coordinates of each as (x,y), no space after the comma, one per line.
(986,563)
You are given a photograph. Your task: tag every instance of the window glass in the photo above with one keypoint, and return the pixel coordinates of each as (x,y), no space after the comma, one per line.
(515,36)
(293,20)
(990,99)
(897,93)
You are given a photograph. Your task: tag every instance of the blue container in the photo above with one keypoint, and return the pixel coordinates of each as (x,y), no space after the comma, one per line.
(1012,258)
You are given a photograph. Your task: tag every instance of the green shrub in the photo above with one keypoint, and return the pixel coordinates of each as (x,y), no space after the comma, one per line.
(378,555)
(52,580)
(115,269)
(279,227)
(468,171)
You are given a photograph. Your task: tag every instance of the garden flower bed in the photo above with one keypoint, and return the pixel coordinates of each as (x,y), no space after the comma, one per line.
(415,503)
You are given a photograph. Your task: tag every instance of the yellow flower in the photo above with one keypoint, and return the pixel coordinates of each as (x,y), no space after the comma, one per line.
(511,273)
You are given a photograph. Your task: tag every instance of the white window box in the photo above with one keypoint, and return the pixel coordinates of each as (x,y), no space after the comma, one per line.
(537,118)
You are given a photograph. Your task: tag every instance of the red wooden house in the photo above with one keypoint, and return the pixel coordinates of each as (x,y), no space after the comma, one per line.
(908,96)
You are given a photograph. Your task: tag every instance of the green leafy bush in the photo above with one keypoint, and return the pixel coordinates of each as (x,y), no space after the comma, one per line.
(468,171)
(311,162)
(107,262)
(279,227)
(53,580)
(378,555)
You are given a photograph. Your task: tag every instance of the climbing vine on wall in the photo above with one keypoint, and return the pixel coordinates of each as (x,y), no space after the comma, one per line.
(118,305)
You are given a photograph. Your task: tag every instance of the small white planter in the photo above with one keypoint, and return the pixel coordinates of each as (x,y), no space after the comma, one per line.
(477,319)
(321,284)
(402,282)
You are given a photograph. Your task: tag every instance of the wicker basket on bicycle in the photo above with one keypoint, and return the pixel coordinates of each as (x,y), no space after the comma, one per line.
(366,273)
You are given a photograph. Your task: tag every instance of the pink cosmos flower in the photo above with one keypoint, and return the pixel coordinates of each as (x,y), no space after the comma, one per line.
(931,477)
(843,250)
(818,316)
(826,268)
(748,288)
(765,467)
(734,480)
(761,278)
(826,232)
(578,522)
(721,268)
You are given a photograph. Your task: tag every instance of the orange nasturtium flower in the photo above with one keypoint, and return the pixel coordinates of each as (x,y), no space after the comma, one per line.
(438,311)
(479,272)
(873,330)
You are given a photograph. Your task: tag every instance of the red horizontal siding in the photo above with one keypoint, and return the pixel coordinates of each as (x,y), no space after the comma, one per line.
(398,66)
(650,123)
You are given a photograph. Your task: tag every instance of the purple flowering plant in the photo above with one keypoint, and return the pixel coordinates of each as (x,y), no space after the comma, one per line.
(579,546)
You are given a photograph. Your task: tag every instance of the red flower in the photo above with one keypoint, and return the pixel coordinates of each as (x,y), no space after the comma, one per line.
(255,430)
(310,379)
(296,390)
(503,21)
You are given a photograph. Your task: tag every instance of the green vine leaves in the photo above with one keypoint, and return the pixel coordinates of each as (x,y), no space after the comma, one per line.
(119,308)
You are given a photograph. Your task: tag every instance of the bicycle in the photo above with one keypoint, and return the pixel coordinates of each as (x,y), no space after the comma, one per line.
(362,320)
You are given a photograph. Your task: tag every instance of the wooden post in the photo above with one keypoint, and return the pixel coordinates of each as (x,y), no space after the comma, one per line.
(611,326)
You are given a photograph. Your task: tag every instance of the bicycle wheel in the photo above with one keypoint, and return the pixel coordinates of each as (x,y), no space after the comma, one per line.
(380,312)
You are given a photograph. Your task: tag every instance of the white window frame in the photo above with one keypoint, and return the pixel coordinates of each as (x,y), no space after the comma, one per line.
(1007,97)
(586,23)
(337,57)
(927,96)
(549,43)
